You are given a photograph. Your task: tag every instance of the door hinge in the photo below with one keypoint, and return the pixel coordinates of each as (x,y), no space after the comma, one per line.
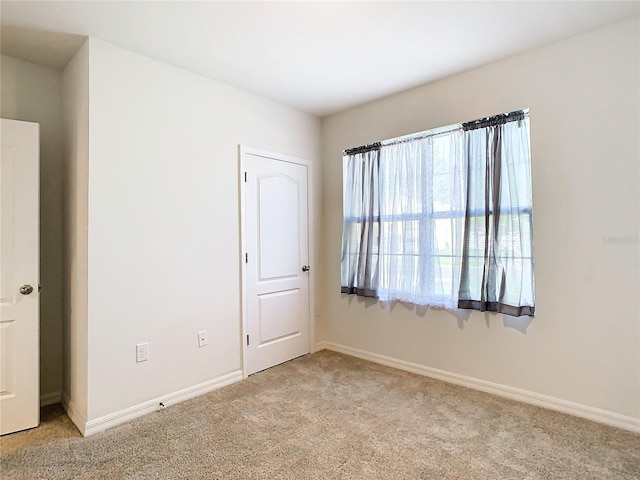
(246,258)
(247,340)
(245,177)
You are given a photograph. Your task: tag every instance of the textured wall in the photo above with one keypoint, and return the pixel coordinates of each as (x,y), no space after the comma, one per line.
(584,343)
(164,246)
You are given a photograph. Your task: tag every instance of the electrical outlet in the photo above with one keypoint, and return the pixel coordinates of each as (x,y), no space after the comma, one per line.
(142,352)
(203,338)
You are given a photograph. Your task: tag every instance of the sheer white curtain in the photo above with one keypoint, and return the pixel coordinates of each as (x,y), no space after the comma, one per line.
(498,258)
(421,220)
(443,218)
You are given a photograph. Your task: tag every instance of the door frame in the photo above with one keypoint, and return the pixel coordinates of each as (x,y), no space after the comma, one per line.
(243,151)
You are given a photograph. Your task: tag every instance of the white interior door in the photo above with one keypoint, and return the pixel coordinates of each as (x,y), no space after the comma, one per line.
(276,259)
(19,276)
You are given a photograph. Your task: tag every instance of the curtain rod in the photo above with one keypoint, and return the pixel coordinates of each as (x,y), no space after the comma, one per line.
(499,119)
(479,123)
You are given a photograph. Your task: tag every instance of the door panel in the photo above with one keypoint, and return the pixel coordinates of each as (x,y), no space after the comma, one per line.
(275,231)
(19,265)
(279,224)
(278,315)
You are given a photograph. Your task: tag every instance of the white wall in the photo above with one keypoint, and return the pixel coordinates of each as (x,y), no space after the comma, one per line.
(163,236)
(75,201)
(584,344)
(34,93)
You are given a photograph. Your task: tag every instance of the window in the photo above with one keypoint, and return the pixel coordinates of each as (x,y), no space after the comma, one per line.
(442,218)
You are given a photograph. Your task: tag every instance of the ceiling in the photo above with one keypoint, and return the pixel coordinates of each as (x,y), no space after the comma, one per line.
(320,57)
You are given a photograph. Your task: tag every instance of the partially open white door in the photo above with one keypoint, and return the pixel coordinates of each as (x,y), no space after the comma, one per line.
(276,259)
(19,276)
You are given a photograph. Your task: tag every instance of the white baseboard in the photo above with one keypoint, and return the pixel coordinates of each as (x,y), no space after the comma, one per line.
(323,345)
(116,418)
(525,396)
(72,412)
(50,398)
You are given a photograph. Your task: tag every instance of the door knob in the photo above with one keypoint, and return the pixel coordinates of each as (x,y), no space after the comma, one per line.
(306,268)
(26,289)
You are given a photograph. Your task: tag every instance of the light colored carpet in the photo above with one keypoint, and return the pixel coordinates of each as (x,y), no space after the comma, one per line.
(330,416)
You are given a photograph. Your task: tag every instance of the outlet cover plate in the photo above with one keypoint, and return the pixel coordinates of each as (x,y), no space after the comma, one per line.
(142,352)
(203,338)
